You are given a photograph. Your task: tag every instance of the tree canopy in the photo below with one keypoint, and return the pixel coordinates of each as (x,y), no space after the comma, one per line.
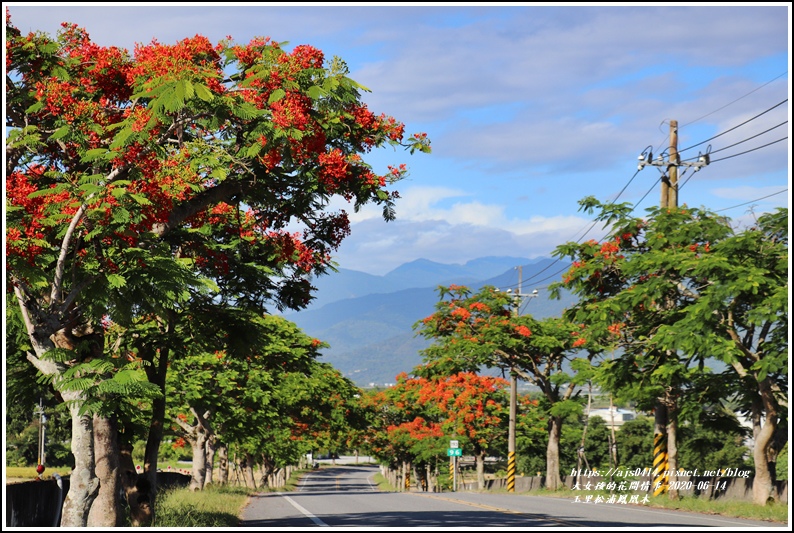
(133,178)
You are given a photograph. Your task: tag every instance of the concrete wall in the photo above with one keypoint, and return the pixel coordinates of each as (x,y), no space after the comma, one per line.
(38,503)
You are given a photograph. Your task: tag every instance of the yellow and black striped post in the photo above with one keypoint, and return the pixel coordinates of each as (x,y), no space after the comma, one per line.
(407,480)
(511,471)
(659,464)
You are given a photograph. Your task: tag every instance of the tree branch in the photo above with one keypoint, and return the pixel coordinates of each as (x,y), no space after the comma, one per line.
(223,192)
(60,267)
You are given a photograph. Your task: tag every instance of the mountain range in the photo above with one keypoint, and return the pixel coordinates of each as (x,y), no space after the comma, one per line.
(368,320)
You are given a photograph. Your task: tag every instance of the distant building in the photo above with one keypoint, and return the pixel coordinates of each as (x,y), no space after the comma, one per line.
(614,415)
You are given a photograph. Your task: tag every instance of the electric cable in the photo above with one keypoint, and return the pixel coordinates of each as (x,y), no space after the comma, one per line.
(681,185)
(740,142)
(735,127)
(723,107)
(535,275)
(748,151)
(731,103)
(751,201)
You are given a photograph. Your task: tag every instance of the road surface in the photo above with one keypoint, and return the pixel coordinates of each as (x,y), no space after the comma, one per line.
(346,496)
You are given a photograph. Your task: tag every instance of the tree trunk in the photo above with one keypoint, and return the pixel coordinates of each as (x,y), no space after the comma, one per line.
(553,480)
(480,460)
(248,471)
(198,444)
(210,459)
(672,450)
(106,508)
(83,483)
(223,464)
(136,489)
(268,468)
(764,489)
(431,484)
(156,375)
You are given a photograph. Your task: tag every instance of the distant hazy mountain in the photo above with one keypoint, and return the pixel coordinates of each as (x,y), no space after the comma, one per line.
(424,273)
(371,334)
(421,273)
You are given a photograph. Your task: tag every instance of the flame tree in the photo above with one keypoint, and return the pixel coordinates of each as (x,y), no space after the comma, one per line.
(157,168)
(682,286)
(471,331)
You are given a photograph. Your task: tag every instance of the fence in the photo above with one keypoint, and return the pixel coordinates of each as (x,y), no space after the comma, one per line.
(38,503)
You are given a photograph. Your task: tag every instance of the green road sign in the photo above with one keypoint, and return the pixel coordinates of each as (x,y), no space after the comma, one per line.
(454,452)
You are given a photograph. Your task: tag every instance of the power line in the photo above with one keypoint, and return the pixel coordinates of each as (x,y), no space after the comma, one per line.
(535,275)
(751,201)
(742,141)
(681,186)
(748,151)
(735,127)
(726,105)
(731,103)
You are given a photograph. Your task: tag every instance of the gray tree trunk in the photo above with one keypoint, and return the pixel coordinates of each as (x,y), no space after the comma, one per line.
(248,471)
(83,483)
(553,479)
(106,508)
(223,464)
(672,450)
(765,420)
(198,442)
(210,460)
(480,460)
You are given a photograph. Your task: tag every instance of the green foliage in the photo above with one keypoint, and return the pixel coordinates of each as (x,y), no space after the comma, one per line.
(676,291)
(635,443)
(596,444)
(712,449)
(151,194)
(22,448)
(782,464)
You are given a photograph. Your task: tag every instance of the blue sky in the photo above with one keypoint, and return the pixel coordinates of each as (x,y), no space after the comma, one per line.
(529,108)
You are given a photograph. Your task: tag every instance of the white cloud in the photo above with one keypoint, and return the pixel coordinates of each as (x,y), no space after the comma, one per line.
(456,234)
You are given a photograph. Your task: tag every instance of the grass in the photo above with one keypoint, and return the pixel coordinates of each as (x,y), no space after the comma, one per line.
(215,506)
(773,512)
(383,484)
(28,473)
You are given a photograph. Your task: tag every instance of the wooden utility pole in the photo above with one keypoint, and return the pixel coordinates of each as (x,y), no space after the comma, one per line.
(663,442)
(670,183)
(511,431)
(665,416)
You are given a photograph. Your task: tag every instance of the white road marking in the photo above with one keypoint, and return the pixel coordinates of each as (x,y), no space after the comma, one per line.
(300,508)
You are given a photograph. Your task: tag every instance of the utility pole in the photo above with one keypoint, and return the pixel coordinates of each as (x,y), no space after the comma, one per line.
(511,431)
(668,199)
(669,190)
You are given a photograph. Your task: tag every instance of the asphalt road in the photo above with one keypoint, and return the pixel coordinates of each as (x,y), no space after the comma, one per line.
(346,496)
